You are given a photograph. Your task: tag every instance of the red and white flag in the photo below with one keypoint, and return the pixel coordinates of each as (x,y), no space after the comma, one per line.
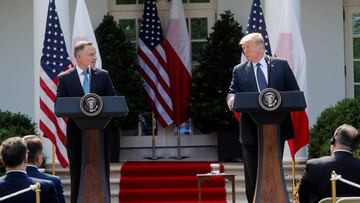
(83,30)
(290,47)
(179,61)
(54,60)
(153,65)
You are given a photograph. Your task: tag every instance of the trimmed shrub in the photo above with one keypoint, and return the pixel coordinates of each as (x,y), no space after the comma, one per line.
(118,56)
(211,78)
(14,124)
(346,111)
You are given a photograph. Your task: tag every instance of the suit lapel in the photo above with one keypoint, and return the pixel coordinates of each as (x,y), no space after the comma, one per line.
(77,84)
(94,78)
(271,72)
(251,75)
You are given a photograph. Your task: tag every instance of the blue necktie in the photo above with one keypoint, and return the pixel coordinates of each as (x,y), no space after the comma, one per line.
(86,82)
(260,77)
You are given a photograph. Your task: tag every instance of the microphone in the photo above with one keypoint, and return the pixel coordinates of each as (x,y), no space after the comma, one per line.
(89,78)
(268,68)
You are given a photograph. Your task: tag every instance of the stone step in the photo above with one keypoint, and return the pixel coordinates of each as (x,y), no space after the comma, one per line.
(65,174)
(230,168)
(114,196)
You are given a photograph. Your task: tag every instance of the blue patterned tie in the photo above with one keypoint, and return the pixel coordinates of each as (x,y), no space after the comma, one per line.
(260,77)
(86,82)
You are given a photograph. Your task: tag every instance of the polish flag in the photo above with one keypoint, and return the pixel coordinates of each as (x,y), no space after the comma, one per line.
(83,31)
(290,47)
(178,55)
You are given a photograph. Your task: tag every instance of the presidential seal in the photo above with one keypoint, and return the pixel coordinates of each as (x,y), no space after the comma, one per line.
(91,104)
(269,99)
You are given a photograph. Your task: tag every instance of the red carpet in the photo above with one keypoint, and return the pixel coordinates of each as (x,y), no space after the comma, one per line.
(153,182)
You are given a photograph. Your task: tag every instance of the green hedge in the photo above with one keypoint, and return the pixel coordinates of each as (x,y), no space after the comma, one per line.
(119,57)
(14,124)
(345,111)
(212,76)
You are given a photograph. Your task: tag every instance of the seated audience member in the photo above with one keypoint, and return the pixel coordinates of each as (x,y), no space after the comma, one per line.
(14,156)
(316,185)
(35,159)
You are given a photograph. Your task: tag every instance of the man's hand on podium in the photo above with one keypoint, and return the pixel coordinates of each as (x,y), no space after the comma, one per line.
(230,102)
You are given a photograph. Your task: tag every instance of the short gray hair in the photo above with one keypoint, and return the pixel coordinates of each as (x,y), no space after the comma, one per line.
(255,36)
(347,135)
(80,45)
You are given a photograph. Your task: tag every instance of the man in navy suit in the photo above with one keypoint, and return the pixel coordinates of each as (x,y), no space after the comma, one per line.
(35,159)
(315,183)
(71,85)
(14,156)
(276,74)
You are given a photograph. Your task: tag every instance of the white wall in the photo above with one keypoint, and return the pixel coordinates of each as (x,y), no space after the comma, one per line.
(16,56)
(239,7)
(322,31)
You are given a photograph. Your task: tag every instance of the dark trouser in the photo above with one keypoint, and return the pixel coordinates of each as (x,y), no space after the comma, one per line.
(250,159)
(74,150)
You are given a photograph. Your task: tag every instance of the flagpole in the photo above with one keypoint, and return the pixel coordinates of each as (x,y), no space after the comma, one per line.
(294,186)
(153,136)
(153,146)
(179,156)
(53,159)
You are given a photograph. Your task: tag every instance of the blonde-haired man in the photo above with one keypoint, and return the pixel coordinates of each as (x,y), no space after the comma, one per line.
(257,73)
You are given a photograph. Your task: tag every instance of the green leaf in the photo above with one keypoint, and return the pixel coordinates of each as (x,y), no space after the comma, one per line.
(211,78)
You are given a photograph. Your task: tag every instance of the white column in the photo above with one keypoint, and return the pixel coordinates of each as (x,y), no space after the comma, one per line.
(40,13)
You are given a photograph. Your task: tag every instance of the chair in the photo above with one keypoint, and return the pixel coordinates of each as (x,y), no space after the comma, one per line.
(348,200)
(326,200)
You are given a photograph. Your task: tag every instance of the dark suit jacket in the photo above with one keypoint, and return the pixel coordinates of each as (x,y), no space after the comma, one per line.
(33,171)
(70,86)
(280,77)
(315,183)
(15,181)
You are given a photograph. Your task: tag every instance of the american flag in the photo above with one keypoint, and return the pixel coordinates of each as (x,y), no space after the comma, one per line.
(54,60)
(153,66)
(256,23)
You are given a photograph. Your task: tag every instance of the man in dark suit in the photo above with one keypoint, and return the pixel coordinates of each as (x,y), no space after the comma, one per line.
(258,72)
(315,183)
(73,84)
(35,159)
(14,156)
